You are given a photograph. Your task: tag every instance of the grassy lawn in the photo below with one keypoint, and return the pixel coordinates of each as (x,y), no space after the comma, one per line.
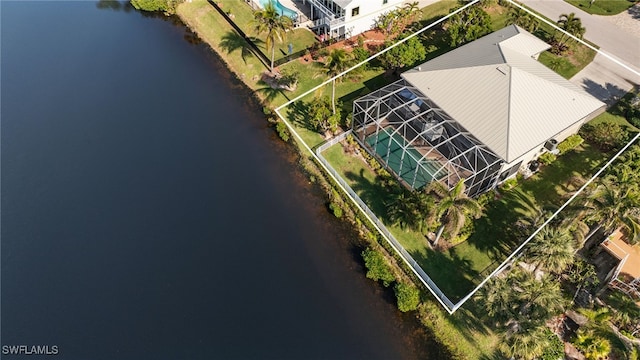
(454,271)
(568,66)
(602,7)
(243,17)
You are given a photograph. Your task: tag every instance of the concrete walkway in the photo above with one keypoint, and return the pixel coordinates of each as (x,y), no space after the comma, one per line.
(618,36)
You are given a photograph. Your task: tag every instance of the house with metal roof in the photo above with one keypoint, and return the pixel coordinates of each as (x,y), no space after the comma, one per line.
(625,276)
(480,112)
(347,18)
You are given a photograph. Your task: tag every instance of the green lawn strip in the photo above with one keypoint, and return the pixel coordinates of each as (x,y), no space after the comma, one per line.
(602,7)
(452,271)
(552,183)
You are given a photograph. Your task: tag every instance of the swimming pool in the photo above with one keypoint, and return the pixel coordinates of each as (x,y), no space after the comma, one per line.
(282,10)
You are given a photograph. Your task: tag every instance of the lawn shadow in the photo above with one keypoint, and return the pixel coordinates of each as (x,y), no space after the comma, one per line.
(233,41)
(451,273)
(298,113)
(270,93)
(373,193)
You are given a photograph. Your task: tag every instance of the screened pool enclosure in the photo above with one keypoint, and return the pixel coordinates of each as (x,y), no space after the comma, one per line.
(419,143)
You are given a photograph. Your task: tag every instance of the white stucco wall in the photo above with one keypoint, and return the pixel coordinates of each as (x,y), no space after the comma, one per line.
(369,12)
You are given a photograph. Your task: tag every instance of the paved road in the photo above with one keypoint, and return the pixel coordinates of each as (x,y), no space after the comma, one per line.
(603,78)
(615,40)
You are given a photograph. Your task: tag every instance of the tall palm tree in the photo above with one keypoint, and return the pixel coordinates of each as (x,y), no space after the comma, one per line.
(525,343)
(337,61)
(498,300)
(612,205)
(274,25)
(571,24)
(551,249)
(401,209)
(451,208)
(538,299)
(523,19)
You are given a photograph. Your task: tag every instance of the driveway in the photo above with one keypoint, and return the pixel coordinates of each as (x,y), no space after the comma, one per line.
(617,36)
(623,43)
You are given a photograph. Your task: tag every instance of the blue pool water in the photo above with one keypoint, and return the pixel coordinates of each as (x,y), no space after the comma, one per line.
(283,10)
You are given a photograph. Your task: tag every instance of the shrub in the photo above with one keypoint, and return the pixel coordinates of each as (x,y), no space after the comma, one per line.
(283,132)
(547,158)
(510,183)
(605,135)
(336,209)
(555,348)
(408,296)
(377,267)
(166,6)
(570,143)
(360,54)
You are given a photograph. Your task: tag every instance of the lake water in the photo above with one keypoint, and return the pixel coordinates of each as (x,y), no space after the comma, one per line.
(148,212)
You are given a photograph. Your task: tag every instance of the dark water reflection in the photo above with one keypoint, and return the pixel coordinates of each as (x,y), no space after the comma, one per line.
(148,212)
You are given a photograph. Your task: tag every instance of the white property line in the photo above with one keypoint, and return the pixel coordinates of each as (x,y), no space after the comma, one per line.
(515,252)
(508,259)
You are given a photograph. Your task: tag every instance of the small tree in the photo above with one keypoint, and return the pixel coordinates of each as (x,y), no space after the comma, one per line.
(321,117)
(606,135)
(408,296)
(405,54)
(377,267)
(468,25)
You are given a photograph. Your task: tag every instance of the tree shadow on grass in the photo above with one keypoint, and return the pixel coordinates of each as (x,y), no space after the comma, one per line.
(298,114)
(373,193)
(451,273)
(232,41)
(270,93)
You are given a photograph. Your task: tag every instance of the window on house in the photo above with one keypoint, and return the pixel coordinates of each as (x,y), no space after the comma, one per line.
(355,11)
(384,2)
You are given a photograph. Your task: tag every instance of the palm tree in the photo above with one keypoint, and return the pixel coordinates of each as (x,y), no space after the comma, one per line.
(451,208)
(551,249)
(612,205)
(337,61)
(523,19)
(571,24)
(538,299)
(275,25)
(593,347)
(498,300)
(525,343)
(401,209)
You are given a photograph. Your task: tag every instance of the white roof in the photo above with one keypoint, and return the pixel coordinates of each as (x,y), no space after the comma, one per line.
(498,92)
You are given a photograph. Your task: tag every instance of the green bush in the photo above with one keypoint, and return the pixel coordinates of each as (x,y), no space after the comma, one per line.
(377,267)
(555,348)
(547,158)
(408,296)
(570,143)
(336,209)
(510,183)
(167,6)
(283,132)
(606,135)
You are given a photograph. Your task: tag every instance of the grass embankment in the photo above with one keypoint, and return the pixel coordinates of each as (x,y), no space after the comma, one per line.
(602,7)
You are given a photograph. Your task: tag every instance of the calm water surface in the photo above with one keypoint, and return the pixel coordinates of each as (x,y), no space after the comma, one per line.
(148,212)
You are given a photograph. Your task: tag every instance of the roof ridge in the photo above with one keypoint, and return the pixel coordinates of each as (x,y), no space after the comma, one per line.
(509,114)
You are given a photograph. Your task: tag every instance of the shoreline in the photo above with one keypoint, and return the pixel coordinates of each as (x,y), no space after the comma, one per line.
(429,315)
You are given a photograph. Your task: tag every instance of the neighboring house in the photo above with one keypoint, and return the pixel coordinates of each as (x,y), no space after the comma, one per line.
(626,275)
(480,112)
(347,18)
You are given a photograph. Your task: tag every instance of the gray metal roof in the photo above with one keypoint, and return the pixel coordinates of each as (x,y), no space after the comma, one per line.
(496,90)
